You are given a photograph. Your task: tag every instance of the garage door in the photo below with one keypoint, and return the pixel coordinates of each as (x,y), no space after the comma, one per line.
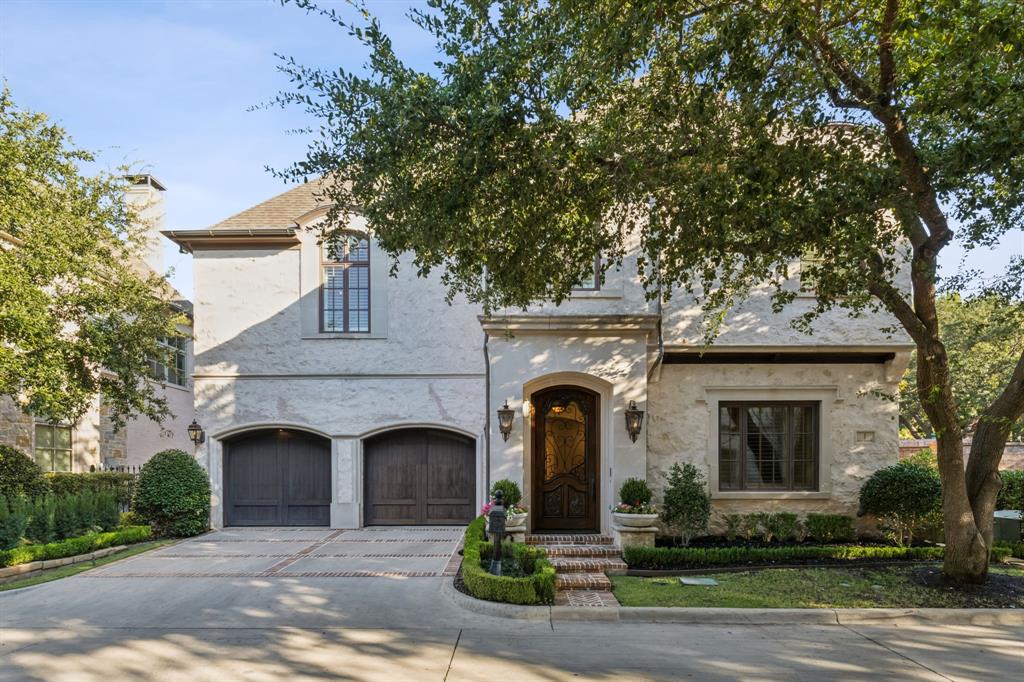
(277,478)
(419,476)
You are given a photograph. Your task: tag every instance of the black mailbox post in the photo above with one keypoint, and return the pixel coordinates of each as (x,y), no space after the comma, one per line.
(496,519)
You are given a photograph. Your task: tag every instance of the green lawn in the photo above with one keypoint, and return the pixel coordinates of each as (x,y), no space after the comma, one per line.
(74,569)
(820,588)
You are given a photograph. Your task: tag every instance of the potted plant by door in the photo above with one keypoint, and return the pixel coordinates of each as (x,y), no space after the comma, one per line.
(635,509)
(515,513)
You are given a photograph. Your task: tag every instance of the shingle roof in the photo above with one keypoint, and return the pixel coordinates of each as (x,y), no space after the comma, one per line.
(279,211)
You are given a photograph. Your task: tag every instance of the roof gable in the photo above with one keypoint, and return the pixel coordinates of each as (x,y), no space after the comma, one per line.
(280,211)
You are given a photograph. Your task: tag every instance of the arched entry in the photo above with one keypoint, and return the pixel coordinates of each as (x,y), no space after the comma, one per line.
(565,450)
(419,476)
(277,477)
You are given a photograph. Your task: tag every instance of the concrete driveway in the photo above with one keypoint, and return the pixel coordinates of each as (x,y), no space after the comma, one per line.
(276,553)
(371,605)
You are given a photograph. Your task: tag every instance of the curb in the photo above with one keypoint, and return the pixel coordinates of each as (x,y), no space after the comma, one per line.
(491,608)
(724,616)
(28,569)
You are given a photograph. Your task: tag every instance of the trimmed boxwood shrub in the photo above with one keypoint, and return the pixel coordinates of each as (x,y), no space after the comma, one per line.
(537,588)
(74,546)
(830,527)
(903,497)
(511,495)
(696,557)
(173,494)
(635,492)
(20,475)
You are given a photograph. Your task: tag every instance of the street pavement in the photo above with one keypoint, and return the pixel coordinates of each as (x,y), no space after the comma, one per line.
(373,605)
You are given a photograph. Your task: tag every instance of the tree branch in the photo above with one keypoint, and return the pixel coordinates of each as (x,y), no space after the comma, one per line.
(886,65)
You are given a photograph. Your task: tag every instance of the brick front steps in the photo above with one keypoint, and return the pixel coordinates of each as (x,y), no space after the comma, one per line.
(583,564)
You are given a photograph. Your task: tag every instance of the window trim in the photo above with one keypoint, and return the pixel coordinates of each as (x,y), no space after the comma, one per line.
(53,426)
(324,263)
(597,278)
(175,351)
(789,488)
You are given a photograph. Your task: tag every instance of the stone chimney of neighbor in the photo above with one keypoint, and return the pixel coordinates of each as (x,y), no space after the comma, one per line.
(146,196)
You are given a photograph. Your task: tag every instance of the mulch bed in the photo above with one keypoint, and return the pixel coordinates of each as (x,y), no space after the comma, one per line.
(743,568)
(1000,591)
(460,585)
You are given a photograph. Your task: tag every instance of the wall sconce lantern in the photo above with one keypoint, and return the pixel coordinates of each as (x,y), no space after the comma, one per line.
(634,420)
(196,433)
(505,416)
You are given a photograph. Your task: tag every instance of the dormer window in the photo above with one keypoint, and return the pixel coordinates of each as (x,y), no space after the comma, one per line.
(345,288)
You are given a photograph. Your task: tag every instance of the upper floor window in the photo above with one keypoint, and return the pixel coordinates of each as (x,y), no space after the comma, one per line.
(345,290)
(768,446)
(172,366)
(592,282)
(53,447)
(809,259)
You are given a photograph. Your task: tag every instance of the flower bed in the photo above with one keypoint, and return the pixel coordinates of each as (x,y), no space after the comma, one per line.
(73,546)
(658,558)
(536,587)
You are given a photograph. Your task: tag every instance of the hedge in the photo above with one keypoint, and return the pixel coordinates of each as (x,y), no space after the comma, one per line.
(74,546)
(120,483)
(654,558)
(1014,549)
(537,588)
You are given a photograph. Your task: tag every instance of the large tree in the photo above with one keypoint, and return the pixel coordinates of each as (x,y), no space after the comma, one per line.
(733,137)
(983,340)
(79,315)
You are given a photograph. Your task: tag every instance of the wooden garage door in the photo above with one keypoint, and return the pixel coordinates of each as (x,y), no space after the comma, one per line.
(277,478)
(419,476)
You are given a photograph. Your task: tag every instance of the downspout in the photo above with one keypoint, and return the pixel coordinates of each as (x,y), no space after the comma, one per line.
(487,413)
(661,336)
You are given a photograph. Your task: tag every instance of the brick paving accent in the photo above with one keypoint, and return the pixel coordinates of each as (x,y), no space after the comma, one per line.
(586,598)
(454,562)
(304,552)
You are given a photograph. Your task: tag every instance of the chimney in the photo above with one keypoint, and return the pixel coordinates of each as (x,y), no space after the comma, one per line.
(146,195)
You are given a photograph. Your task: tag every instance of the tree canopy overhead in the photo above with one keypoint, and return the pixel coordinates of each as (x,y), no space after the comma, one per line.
(729,137)
(78,318)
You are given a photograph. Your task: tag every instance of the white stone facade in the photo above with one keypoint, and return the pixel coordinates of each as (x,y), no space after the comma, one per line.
(261,362)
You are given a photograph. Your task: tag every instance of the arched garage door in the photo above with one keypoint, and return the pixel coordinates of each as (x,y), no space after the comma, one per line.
(419,476)
(277,478)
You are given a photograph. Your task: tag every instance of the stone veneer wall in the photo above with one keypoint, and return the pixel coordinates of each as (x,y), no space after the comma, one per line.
(113,442)
(16,427)
(863,436)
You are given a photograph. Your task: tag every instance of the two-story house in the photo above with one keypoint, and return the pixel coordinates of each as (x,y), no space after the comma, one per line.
(93,442)
(334,394)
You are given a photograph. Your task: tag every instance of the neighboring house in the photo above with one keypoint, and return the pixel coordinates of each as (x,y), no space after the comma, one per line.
(93,442)
(1013,452)
(334,394)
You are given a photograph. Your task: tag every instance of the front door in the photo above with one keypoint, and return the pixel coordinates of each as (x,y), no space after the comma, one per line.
(565,447)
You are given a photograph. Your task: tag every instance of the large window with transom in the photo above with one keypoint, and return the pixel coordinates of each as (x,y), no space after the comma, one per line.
(768,445)
(345,288)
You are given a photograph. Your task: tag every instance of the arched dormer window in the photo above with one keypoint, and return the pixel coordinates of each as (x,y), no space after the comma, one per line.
(345,284)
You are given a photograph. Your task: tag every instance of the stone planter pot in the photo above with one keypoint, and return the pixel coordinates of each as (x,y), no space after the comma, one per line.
(515,522)
(635,520)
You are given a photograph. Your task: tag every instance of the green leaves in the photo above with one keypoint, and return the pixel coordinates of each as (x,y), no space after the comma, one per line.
(78,317)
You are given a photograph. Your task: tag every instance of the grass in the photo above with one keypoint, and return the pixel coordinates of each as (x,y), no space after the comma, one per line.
(75,569)
(814,588)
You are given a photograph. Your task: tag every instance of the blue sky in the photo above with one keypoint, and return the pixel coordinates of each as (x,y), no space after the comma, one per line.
(167,86)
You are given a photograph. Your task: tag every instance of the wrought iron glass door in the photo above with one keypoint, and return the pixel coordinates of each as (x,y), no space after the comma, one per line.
(565,448)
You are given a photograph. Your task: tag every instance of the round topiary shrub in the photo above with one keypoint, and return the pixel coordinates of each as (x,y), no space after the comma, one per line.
(20,475)
(511,495)
(902,496)
(173,494)
(635,492)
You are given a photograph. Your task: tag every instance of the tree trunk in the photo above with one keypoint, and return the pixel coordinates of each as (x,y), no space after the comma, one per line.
(967,552)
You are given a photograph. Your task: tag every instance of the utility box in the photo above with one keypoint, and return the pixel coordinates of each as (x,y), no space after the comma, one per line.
(1007,526)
